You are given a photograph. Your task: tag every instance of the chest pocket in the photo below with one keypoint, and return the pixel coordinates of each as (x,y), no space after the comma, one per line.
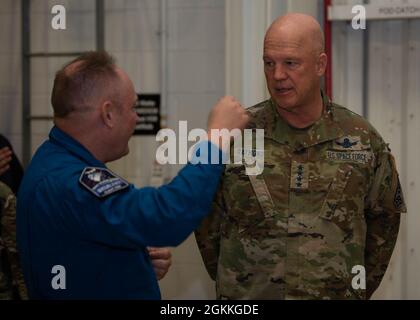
(336,193)
(249,203)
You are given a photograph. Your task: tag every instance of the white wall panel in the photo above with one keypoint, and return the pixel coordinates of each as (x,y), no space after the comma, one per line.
(131,35)
(393,104)
(412,163)
(346,54)
(303,6)
(9,21)
(385,109)
(10,109)
(10,71)
(208,28)
(196,64)
(190,72)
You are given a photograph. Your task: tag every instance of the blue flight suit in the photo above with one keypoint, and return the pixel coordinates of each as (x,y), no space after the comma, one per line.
(101,241)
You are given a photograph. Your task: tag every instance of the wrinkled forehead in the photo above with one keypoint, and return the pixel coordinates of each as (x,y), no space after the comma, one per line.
(286,37)
(284,41)
(282,44)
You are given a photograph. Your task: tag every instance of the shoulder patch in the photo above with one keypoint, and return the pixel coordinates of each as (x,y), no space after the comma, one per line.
(399,203)
(101,181)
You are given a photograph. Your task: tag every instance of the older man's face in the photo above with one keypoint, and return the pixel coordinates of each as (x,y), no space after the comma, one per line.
(292,71)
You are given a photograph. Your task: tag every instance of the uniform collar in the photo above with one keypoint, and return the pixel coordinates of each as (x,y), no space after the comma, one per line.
(62,139)
(327,128)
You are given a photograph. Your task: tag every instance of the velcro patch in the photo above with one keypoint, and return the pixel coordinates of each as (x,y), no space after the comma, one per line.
(101,181)
(349,156)
(398,197)
(350,143)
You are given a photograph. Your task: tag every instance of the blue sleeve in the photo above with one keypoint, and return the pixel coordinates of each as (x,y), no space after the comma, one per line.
(163,216)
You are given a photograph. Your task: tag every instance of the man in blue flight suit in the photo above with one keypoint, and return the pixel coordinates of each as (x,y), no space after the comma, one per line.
(83,232)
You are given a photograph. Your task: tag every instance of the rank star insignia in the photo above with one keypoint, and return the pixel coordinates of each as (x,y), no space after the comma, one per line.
(299,176)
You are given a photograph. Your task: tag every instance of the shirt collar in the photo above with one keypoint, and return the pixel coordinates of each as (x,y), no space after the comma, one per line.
(327,128)
(62,139)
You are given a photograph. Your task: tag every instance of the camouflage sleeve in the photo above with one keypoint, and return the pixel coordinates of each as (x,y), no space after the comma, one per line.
(208,235)
(385,202)
(8,232)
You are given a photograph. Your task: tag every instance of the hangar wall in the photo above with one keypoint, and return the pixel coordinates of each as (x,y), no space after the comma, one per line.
(213,47)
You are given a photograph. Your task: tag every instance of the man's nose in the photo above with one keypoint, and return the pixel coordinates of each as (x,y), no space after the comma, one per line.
(279,73)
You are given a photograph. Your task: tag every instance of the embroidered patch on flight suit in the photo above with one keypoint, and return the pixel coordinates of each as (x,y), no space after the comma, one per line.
(101,181)
(299,177)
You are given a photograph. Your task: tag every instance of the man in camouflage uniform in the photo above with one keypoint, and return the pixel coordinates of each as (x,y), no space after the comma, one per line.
(325,211)
(12,285)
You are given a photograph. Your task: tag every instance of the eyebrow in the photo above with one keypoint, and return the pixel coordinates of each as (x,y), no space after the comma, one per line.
(282,58)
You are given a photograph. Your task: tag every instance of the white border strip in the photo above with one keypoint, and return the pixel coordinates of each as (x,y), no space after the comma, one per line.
(404,10)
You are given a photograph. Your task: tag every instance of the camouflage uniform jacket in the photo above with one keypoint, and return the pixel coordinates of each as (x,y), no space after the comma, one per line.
(329,199)
(12,285)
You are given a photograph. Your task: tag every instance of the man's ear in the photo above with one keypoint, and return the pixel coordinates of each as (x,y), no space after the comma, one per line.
(107,110)
(321,64)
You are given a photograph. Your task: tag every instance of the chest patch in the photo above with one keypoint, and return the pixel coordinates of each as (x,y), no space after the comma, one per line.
(101,181)
(352,156)
(350,143)
(350,149)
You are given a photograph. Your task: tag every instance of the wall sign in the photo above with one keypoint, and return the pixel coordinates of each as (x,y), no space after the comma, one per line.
(377,11)
(148,110)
